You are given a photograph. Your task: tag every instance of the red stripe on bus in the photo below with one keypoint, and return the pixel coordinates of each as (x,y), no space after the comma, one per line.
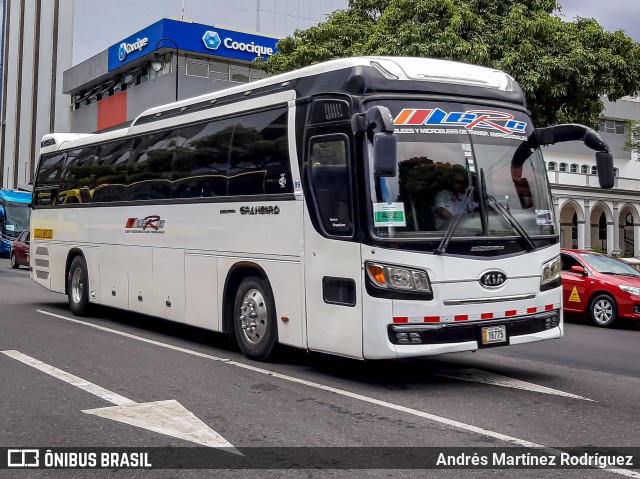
(462,317)
(512,312)
(486,316)
(401,320)
(432,319)
(531,310)
(548,307)
(419,117)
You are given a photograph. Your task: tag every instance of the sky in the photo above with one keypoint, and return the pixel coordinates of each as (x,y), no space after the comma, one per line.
(611,14)
(241,14)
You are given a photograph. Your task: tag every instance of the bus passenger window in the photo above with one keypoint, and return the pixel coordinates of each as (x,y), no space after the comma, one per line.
(329,168)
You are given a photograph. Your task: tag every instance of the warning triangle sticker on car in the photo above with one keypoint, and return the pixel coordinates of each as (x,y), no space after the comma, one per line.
(575,297)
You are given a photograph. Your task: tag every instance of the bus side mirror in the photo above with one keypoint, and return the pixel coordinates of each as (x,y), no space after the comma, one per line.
(604,164)
(384,155)
(590,138)
(377,119)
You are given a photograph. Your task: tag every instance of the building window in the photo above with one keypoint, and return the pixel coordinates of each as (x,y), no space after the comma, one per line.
(552,166)
(239,73)
(613,127)
(197,68)
(218,70)
(256,74)
(584,169)
(563,167)
(573,168)
(594,170)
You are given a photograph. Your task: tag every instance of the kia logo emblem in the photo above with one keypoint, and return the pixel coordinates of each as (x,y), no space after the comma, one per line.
(493,279)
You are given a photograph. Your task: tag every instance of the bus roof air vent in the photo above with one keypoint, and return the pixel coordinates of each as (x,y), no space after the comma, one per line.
(325,110)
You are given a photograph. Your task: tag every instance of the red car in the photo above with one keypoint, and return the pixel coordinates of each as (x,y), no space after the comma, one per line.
(20,250)
(603,287)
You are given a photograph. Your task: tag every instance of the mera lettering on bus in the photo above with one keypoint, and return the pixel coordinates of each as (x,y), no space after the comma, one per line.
(149,224)
(481,119)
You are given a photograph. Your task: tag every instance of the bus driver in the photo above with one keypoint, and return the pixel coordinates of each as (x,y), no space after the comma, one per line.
(451,201)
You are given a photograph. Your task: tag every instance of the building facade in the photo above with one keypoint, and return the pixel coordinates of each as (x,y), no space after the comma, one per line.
(45,38)
(591,218)
(168,61)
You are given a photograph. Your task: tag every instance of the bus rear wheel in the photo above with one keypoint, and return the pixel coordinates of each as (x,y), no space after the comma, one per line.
(254,318)
(78,286)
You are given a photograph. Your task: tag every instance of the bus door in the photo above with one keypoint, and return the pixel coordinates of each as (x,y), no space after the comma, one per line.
(332,258)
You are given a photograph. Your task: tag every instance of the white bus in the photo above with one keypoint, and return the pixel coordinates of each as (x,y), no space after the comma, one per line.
(365,207)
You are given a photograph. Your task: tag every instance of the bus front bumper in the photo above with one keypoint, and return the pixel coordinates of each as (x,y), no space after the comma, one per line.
(411,340)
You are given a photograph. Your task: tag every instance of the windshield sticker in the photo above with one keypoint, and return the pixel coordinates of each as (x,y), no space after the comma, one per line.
(474,122)
(10,227)
(467,150)
(388,214)
(543,218)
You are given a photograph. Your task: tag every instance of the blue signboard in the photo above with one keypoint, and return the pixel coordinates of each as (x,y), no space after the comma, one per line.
(191,37)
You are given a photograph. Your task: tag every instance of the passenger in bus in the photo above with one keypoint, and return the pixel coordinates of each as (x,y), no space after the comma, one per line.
(450,201)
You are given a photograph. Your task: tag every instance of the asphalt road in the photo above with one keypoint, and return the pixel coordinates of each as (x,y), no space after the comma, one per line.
(579,391)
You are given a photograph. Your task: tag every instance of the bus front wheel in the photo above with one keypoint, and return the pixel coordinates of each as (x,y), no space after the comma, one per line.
(254,317)
(78,286)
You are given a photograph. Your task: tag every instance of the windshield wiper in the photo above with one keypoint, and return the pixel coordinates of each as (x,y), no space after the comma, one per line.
(442,247)
(508,217)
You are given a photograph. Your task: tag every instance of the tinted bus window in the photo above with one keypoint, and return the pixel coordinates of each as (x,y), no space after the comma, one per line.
(329,167)
(48,179)
(77,175)
(200,164)
(110,172)
(259,161)
(149,172)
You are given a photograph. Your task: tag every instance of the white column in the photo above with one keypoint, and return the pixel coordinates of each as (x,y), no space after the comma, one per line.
(610,236)
(586,241)
(615,245)
(582,234)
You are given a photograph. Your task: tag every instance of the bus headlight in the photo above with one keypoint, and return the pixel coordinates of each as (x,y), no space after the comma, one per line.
(398,278)
(550,274)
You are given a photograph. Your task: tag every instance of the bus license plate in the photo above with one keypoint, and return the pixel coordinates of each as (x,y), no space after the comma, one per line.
(494,334)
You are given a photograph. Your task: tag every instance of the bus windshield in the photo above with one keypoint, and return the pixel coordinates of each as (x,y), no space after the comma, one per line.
(17,218)
(462,163)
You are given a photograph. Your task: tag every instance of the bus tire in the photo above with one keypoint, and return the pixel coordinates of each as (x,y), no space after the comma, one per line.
(603,310)
(78,286)
(254,318)
(14,261)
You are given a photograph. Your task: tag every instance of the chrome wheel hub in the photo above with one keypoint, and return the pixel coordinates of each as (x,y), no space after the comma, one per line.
(77,285)
(253,316)
(603,311)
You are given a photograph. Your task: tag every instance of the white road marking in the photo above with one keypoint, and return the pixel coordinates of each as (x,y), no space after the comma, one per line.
(164,417)
(342,392)
(485,377)
(70,378)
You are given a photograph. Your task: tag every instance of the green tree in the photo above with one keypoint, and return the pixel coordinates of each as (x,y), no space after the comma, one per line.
(563,67)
